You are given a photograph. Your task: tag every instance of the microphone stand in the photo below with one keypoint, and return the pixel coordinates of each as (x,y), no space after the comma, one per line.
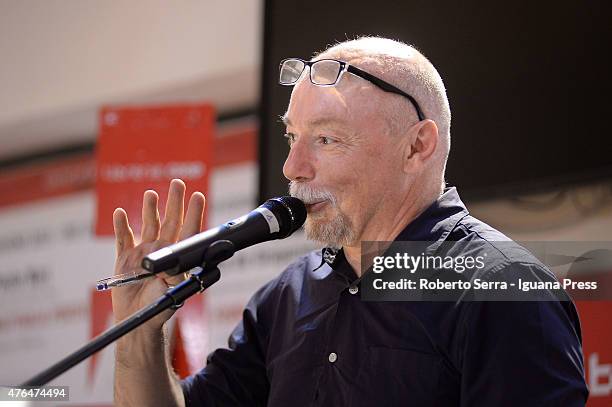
(199,281)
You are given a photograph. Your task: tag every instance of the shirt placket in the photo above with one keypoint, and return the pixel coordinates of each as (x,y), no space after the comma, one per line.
(336,347)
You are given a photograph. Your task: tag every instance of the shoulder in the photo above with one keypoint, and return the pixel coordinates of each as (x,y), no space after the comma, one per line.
(511,262)
(502,252)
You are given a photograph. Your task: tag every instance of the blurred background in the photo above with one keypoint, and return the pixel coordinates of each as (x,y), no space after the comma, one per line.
(102,100)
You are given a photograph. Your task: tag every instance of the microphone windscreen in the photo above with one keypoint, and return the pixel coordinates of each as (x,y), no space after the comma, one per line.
(290,212)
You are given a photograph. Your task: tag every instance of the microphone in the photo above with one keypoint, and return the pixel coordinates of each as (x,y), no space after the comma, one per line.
(277,218)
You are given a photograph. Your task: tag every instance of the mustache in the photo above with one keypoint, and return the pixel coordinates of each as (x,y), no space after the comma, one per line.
(309,195)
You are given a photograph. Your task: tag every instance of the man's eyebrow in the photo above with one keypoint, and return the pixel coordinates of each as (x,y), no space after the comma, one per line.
(324,121)
(285,120)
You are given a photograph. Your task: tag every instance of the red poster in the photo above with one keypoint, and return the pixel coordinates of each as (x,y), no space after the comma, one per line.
(142,148)
(596,321)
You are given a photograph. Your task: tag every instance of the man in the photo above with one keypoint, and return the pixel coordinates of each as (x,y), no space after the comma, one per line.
(369,128)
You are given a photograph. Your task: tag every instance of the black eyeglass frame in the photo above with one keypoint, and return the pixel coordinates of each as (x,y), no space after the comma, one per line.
(345,67)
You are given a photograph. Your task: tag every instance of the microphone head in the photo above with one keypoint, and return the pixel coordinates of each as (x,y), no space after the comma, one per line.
(290,213)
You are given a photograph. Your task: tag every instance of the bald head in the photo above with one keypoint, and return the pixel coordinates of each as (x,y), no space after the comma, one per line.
(409,70)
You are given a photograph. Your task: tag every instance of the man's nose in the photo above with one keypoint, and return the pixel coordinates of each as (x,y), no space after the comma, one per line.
(299,165)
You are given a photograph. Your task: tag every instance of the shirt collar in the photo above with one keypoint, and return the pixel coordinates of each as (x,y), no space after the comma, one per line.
(433,224)
(437,221)
(331,256)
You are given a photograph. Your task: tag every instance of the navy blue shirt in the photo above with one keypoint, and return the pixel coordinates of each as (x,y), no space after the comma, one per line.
(307,339)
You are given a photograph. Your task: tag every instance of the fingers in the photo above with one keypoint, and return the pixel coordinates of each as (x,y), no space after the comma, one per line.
(150,217)
(172,280)
(124,237)
(175,206)
(194,216)
(192,225)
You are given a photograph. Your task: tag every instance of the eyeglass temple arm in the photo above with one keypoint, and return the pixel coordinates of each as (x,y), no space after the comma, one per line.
(386,86)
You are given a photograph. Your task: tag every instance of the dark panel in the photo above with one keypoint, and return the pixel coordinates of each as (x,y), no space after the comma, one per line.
(528,82)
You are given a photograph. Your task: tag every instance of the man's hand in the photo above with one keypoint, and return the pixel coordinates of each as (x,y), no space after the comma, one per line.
(143,373)
(155,235)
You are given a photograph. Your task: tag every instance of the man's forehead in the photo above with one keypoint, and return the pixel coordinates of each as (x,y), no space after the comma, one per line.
(318,104)
(322,121)
(318,112)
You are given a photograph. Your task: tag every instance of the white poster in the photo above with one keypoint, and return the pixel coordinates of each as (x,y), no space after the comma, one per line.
(50,261)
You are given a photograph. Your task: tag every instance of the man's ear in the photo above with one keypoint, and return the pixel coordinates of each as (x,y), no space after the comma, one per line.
(422,142)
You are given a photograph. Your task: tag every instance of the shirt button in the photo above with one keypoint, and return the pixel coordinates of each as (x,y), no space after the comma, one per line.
(353,289)
(332,357)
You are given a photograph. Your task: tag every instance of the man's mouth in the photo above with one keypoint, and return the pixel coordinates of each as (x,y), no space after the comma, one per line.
(316,206)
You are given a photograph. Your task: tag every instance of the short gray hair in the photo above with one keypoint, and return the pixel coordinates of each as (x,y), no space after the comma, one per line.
(407,68)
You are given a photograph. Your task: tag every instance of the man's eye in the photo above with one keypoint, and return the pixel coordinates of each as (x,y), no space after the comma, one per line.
(325,140)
